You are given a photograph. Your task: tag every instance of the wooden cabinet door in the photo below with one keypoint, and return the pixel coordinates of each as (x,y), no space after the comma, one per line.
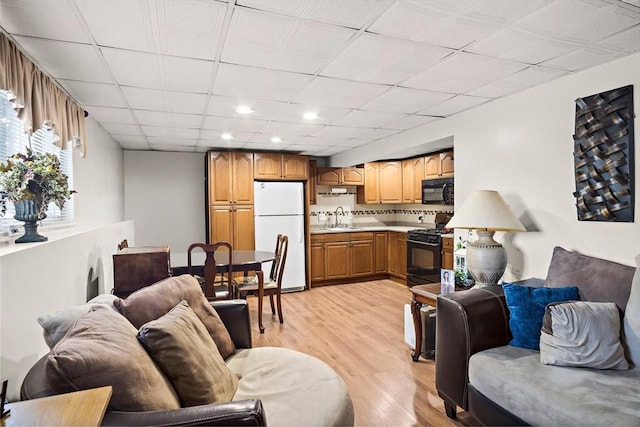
(242,178)
(390,174)
(362,258)
(407,181)
(329,176)
(394,256)
(446,163)
(220,177)
(337,260)
(267,165)
(243,227)
(352,176)
(418,176)
(313,182)
(447,253)
(220,224)
(295,167)
(369,193)
(432,166)
(380,252)
(402,253)
(317,262)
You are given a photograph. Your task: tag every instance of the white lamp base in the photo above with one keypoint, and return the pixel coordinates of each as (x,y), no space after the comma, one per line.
(486,259)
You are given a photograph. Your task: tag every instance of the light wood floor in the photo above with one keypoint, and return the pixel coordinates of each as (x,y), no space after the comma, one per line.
(358,329)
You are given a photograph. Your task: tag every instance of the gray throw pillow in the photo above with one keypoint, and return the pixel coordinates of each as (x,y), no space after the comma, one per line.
(582,334)
(631,324)
(56,325)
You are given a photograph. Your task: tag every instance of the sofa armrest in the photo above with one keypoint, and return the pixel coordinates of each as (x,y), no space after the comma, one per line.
(241,413)
(235,316)
(467,322)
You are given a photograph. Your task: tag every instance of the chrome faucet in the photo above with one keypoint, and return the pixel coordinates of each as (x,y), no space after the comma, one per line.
(337,222)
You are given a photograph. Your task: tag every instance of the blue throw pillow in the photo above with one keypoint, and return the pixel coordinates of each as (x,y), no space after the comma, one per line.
(526,310)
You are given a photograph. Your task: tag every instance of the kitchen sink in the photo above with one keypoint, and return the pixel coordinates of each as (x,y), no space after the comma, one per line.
(339,228)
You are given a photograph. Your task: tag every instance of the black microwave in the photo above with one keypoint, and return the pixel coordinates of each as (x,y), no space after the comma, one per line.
(437,191)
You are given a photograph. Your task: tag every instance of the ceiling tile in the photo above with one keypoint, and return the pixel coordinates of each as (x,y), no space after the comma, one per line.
(173,102)
(224,106)
(383,60)
(293,113)
(627,41)
(338,93)
(552,18)
(161,118)
(114,115)
(498,11)
(134,145)
(60,59)
(98,94)
(378,133)
(122,129)
(463,72)
(238,137)
(269,41)
(168,132)
(188,147)
(609,21)
(454,105)
(410,122)
(523,79)
(286,129)
(403,100)
(582,58)
(265,138)
(407,19)
(325,152)
(269,146)
(340,132)
(42,18)
(352,13)
(130,139)
(257,83)
(521,46)
(368,119)
(179,141)
(147,70)
(322,141)
(230,124)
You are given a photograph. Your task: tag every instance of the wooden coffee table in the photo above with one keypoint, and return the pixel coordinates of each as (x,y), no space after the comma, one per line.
(423,294)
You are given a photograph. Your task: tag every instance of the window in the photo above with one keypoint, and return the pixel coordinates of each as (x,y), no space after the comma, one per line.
(13,140)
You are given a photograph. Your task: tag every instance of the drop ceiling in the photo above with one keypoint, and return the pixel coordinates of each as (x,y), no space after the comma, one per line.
(168,75)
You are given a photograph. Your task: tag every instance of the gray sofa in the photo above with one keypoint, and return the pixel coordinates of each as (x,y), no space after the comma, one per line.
(500,384)
(276,386)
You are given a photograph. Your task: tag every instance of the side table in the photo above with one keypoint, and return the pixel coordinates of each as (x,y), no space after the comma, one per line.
(79,408)
(423,294)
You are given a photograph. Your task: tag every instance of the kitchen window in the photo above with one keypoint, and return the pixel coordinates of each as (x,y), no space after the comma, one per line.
(13,140)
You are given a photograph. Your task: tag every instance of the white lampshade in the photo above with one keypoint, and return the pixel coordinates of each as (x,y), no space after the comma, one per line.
(485,210)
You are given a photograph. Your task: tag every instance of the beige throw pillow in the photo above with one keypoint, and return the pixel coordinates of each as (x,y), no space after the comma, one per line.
(153,302)
(184,350)
(582,334)
(102,349)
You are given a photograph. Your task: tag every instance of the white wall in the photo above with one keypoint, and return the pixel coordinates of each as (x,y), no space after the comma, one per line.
(40,278)
(164,195)
(522,145)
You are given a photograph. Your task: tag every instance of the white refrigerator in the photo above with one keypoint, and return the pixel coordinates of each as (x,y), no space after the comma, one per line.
(279,209)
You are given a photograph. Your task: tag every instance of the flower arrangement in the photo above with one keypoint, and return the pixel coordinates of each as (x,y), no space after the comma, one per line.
(33,176)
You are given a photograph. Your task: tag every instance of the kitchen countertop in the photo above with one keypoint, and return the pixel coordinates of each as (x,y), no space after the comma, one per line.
(355,229)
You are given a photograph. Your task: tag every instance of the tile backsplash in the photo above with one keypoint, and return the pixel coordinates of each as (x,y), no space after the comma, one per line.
(323,213)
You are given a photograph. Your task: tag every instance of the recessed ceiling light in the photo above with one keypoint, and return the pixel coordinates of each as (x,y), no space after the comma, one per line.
(310,115)
(243,109)
(276,139)
(226,136)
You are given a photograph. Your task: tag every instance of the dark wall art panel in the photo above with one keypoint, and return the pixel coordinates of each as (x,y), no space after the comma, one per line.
(604,156)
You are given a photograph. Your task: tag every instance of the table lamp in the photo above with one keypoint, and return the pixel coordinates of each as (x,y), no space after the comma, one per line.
(486,212)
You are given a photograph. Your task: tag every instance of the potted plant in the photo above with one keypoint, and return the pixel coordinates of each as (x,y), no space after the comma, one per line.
(31,181)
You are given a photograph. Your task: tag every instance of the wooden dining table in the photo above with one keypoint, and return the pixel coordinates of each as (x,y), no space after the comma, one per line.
(245,261)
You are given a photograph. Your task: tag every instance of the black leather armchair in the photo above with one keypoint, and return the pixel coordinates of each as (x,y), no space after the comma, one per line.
(235,316)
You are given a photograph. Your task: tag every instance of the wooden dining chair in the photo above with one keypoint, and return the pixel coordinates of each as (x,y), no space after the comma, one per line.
(214,284)
(249,285)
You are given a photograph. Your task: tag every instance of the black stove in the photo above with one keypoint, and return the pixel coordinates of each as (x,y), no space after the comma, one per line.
(425,235)
(424,252)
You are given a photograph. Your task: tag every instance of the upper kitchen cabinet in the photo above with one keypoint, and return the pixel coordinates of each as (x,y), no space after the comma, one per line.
(230,177)
(382,183)
(439,165)
(412,176)
(341,176)
(277,166)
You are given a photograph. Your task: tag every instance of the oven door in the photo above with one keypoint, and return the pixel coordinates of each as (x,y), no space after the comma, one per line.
(423,262)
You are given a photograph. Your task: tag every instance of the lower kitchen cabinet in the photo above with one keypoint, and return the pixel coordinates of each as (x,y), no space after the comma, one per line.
(354,255)
(447,253)
(398,255)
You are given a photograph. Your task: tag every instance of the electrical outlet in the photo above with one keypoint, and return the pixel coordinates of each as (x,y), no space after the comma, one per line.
(322,217)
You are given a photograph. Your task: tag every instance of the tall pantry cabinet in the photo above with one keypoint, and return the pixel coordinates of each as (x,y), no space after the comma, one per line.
(230,198)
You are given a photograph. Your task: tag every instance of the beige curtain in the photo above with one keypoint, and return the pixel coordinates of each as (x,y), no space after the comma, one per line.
(38,101)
